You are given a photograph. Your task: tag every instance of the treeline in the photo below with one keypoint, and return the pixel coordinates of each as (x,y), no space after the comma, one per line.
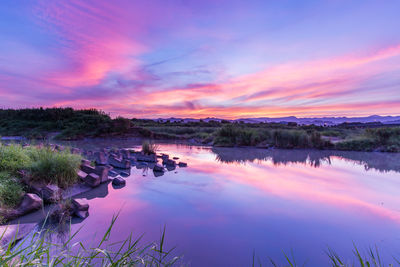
(67,123)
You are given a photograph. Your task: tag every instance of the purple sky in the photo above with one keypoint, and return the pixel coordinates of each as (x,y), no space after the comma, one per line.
(202,58)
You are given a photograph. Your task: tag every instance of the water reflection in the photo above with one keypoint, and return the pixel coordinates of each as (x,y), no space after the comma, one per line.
(232,201)
(383,162)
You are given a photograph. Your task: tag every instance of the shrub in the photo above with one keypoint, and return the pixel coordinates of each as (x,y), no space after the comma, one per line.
(53,166)
(13,158)
(290,139)
(11,191)
(149,148)
(357,145)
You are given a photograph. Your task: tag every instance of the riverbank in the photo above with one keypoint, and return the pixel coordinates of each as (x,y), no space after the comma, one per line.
(49,177)
(70,124)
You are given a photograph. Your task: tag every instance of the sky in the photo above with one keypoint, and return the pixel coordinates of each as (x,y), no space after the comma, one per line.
(208,58)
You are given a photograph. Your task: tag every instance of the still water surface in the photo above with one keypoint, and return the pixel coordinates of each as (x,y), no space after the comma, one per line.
(230,202)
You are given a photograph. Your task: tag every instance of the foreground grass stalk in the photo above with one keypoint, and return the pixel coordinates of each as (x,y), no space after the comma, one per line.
(37,251)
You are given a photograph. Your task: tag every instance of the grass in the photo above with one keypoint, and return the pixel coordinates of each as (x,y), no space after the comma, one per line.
(40,164)
(149,148)
(239,135)
(371,258)
(57,167)
(37,251)
(11,190)
(13,158)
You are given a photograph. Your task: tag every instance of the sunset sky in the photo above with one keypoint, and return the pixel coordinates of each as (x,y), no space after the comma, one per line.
(208,58)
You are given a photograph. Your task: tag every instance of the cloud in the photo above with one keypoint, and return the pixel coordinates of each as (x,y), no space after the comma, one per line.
(152,59)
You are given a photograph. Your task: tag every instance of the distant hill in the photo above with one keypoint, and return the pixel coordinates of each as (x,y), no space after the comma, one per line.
(305,121)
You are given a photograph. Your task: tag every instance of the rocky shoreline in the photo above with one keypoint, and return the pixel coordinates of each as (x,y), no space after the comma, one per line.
(97,167)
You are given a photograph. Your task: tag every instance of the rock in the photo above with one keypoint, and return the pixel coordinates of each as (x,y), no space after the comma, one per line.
(112,173)
(51,193)
(182,164)
(82,175)
(124,174)
(148,158)
(171,168)
(34,186)
(126,154)
(79,204)
(100,158)
(157,174)
(118,181)
(81,214)
(119,163)
(92,180)
(164,156)
(30,202)
(102,172)
(158,168)
(85,162)
(169,162)
(87,168)
(175,158)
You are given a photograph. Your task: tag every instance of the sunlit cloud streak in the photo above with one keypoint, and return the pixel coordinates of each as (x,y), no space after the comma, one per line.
(152,59)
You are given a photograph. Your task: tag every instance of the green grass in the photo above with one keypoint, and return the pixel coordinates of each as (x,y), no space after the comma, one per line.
(40,164)
(242,135)
(11,191)
(57,167)
(13,158)
(38,251)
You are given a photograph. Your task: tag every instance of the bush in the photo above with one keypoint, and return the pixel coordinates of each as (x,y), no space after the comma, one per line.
(290,139)
(11,191)
(13,158)
(149,148)
(54,167)
(357,145)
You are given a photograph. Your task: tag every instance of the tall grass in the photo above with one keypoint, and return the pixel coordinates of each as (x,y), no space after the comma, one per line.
(36,251)
(371,258)
(231,135)
(11,190)
(57,167)
(149,148)
(40,164)
(13,158)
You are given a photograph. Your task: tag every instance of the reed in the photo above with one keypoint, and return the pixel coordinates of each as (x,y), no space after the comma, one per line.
(38,251)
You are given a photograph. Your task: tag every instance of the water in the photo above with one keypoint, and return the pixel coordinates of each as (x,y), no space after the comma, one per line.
(231,202)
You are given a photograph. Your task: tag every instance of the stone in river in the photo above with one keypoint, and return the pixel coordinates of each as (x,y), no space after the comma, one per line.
(118,181)
(182,164)
(79,204)
(112,173)
(81,214)
(100,158)
(92,180)
(158,168)
(30,202)
(119,163)
(51,193)
(124,174)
